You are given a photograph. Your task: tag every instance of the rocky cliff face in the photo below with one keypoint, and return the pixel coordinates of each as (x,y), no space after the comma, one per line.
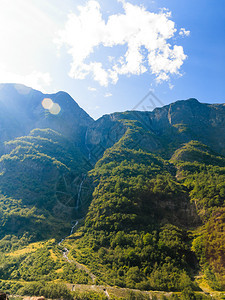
(138,206)
(164,129)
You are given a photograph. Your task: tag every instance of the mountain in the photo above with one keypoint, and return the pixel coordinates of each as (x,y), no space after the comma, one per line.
(21,111)
(139,196)
(43,148)
(164,129)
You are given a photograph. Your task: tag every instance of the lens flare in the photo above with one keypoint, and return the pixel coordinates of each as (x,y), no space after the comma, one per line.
(47,103)
(55,109)
(52,107)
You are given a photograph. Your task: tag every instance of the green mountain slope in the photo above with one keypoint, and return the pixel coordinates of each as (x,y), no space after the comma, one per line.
(145,214)
(39,182)
(147,190)
(163,130)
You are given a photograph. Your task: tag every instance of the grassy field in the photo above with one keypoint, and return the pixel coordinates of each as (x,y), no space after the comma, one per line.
(30,248)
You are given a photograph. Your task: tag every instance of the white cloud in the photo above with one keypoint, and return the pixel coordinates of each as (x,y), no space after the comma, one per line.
(36,80)
(183,32)
(92,89)
(145,34)
(108,95)
(111,58)
(171,86)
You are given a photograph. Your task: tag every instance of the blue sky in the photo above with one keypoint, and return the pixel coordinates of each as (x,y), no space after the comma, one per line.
(109,54)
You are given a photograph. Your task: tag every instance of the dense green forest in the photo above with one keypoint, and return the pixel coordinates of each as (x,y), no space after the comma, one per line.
(137,202)
(153,223)
(140,228)
(35,185)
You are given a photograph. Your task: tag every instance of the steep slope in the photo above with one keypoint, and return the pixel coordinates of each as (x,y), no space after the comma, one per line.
(137,230)
(195,151)
(21,111)
(41,170)
(162,130)
(156,216)
(135,225)
(203,173)
(40,179)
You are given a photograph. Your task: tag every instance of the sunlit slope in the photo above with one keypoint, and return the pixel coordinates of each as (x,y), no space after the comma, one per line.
(149,187)
(146,213)
(163,130)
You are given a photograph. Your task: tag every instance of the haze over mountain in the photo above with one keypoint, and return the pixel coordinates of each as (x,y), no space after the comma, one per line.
(21,111)
(148,186)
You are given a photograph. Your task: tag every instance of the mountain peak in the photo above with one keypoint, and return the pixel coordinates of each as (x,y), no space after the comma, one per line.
(21,110)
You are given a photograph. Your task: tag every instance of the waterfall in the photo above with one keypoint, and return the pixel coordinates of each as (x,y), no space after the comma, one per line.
(79,192)
(75,222)
(73,227)
(60,242)
(89,151)
(71,231)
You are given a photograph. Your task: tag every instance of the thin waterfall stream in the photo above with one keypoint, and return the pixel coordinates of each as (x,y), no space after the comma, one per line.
(89,151)
(65,251)
(75,222)
(79,192)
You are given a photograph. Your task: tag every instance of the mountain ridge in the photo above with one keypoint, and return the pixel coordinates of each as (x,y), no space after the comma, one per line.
(25,105)
(143,191)
(165,123)
(158,121)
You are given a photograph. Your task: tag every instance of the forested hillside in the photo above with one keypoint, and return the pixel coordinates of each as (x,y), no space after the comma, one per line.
(32,195)
(151,224)
(134,199)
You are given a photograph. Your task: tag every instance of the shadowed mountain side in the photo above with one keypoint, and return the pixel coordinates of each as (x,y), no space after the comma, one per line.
(43,170)
(21,111)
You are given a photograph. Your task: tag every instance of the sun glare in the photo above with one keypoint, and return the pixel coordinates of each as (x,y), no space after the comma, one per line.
(47,103)
(54,108)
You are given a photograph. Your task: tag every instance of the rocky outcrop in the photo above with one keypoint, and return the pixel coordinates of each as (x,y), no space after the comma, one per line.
(164,129)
